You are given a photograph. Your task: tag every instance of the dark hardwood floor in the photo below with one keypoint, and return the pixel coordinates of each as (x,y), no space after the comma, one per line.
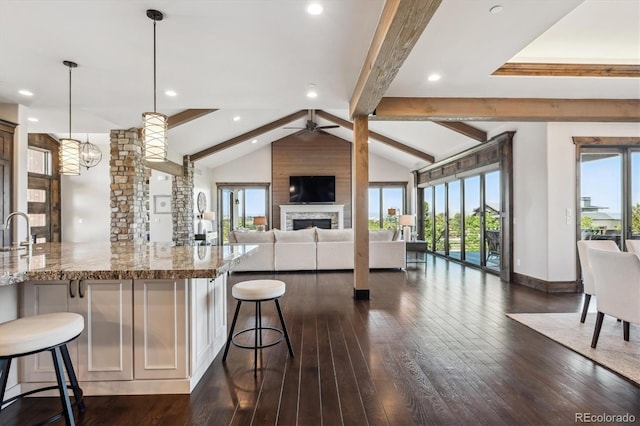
(430,347)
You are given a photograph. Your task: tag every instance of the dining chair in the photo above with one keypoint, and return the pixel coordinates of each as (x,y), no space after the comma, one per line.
(617,280)
(587,275)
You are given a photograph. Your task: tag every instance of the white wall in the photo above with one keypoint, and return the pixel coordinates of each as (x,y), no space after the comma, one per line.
(530,179)
(85,199)
(203,182)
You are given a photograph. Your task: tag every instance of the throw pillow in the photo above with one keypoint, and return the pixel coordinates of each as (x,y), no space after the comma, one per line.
(335,234)
(300,236)
(254,237)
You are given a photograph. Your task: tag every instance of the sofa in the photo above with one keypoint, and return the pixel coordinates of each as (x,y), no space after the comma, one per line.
(316,249)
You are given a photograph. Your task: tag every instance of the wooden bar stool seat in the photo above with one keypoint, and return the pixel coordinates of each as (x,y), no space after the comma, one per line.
(257,291)
(39,333)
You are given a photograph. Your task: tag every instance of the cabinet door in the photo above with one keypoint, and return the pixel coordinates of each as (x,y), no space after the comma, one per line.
(219,312)
(45,297)
(105,348)
(201,291)
(160,332)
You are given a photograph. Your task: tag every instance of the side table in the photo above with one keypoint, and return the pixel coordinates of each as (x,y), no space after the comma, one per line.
(416,247)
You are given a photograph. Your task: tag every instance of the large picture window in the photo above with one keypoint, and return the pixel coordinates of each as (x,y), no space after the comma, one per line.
(387,201)
(239,205)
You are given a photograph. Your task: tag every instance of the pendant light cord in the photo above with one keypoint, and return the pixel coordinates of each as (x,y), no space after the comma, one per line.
(154,65)
(70,101)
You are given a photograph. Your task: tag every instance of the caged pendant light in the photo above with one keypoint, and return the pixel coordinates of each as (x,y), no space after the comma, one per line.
(154,124)
(90,155)
(69,148)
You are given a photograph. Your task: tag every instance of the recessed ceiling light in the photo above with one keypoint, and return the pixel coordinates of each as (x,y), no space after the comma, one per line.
(434,77)
(236,118)
(33,119)
(171,93)
(312,94)
(254,141)
(25,92)
(495,9)
(314,9)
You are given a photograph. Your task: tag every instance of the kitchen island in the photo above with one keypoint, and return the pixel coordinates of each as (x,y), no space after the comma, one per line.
(155,313)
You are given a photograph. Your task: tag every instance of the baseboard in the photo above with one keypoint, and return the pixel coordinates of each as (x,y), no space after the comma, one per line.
(545,286)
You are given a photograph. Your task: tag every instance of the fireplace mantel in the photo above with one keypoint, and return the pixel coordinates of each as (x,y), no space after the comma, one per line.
(305,211)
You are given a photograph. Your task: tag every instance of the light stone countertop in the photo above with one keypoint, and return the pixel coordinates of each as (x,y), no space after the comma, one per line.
(79,261)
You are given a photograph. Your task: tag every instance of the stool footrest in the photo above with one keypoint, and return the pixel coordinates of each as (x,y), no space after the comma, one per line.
(55,416)
(259,329)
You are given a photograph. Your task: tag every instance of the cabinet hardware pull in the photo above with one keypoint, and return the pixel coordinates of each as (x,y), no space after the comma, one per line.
(80,290)
(71,293)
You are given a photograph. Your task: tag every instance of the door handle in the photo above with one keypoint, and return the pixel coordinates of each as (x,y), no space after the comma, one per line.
(71,292)
(80,290)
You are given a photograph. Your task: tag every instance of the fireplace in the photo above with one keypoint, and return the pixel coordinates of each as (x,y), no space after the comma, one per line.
(332,212)
(310,223)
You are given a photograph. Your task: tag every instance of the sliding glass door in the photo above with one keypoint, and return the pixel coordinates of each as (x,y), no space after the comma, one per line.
(610,194)
(462,219)
(239,205)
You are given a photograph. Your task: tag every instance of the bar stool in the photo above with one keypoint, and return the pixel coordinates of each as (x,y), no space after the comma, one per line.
(257,291)
(39,333)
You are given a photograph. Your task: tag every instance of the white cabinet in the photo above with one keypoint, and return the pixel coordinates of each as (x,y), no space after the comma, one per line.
(160,331)
(140,336)
(104,349)
(208,321)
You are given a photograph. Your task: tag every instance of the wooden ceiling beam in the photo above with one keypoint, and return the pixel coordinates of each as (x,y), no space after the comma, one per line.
(464,129)
(249,135)
(568,70)
(401,25)
(187,116)
(378,137)
(509,109)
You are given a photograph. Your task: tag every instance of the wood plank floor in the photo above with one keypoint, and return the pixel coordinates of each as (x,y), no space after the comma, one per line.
(430,347)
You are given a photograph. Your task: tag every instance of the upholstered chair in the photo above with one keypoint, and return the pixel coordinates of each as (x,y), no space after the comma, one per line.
(587,275)
(617,280)
(633,246)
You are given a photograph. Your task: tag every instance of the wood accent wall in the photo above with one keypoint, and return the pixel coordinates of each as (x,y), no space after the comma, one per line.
(310,154)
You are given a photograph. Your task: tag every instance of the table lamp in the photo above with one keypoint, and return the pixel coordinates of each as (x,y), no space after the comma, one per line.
(260,222)
(210,216)
(407,221)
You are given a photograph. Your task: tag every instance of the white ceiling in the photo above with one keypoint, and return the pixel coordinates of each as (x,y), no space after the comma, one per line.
(256,58)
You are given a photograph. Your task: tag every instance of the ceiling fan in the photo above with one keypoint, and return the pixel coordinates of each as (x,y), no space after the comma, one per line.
(312,126)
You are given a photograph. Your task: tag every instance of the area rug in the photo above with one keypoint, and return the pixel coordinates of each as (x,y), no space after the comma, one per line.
(612,351)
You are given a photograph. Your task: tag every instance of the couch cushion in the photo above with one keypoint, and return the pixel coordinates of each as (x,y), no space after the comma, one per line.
(300,236)
(384,235)
(334,235)
(254,237)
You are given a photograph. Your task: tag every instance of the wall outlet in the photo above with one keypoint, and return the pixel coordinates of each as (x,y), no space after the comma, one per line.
(569,220)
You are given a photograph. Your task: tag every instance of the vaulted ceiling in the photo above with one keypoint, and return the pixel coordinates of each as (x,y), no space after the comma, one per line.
(256,59)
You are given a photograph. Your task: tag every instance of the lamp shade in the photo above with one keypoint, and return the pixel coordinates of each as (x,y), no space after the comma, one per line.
(209,215)
(154,136)
(407,220)
(69,156)
(259,220)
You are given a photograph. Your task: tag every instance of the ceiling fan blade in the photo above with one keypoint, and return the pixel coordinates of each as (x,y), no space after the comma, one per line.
(297,128)
(332,126)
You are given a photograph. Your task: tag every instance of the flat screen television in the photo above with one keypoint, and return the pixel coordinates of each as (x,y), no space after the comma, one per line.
(312,189)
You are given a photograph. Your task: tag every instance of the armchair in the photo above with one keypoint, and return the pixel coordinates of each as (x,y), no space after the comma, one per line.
(587,274)
(617,280)
(633,246)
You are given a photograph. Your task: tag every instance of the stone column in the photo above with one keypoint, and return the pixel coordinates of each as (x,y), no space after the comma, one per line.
(182,207)
(127,187)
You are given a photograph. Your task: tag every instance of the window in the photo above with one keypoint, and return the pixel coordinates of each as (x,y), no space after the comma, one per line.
(386,203)
(239,204)
(39,161)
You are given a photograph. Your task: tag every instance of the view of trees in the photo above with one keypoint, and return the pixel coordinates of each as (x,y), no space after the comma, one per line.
(472,229)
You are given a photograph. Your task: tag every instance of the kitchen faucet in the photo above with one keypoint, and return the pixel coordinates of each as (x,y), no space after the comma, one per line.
(28,243)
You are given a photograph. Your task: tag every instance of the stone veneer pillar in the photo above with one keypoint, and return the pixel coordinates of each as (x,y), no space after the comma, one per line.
(182,205)
(127,187)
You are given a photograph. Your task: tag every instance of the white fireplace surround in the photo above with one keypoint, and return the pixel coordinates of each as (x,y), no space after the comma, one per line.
(288,212)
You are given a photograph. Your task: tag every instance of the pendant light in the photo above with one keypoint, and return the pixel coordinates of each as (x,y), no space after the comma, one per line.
(90,155)
(69,148)
(154,124)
